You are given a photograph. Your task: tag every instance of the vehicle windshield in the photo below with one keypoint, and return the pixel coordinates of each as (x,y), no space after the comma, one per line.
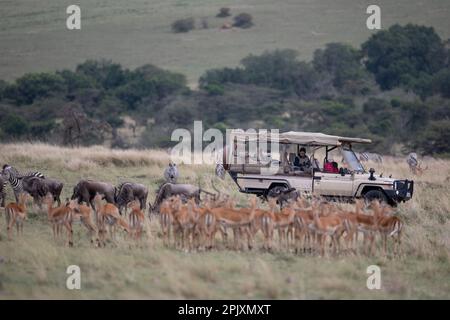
(352,161)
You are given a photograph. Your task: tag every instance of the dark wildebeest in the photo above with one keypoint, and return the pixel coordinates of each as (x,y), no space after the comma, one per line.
(129,191)
(39,187)
(185,191)
(85,191)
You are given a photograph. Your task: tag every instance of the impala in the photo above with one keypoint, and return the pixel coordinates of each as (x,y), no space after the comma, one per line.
(283,222)
(302,232)
(136,218)
(108,216)
(185,218)
(329,225)
(59,217)
(16,213)
(366,225)
(166,220)
(83,214)
(388,226)
(237,219)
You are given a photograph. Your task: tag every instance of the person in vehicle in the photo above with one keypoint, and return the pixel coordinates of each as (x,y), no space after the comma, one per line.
(330,166)
(302,161)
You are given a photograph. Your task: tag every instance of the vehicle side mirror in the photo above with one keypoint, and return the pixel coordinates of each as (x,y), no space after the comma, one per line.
(372,171)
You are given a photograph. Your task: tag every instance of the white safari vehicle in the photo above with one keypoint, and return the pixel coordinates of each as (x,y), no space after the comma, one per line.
(333,170)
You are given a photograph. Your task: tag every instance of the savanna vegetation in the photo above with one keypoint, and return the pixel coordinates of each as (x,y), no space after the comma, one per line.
(34,265)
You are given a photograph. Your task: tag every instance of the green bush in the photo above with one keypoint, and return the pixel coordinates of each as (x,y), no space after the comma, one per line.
(401,54)
(215,89)
(14,125)
(34,85)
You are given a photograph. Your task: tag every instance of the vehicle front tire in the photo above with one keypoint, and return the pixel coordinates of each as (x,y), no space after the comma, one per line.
(379,195)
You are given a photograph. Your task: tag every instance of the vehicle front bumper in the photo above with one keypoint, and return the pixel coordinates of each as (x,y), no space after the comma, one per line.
(402,190)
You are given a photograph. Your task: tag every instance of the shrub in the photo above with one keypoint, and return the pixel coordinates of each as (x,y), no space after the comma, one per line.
(34,85)
(15,125)
(214,89)
(183,25)
(401,54)
(223,13)
(243,20)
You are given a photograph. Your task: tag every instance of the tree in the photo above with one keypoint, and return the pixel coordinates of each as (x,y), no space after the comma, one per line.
(435,139)
(341,61)
(14,125)
(34,85)
(104,73)
(401,54)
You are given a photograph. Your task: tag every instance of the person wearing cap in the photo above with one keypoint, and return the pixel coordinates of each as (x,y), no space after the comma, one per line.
(302,161)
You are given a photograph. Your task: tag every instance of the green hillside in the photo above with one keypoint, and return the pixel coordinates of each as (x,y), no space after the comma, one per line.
(34,37)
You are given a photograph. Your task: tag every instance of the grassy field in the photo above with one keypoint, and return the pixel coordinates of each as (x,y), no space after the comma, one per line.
(34,35)
(33,266)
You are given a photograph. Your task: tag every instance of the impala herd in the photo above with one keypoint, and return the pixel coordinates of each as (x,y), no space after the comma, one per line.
(307,226)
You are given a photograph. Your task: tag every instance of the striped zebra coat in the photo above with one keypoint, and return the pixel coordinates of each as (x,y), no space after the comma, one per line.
(3,184)
(15,179)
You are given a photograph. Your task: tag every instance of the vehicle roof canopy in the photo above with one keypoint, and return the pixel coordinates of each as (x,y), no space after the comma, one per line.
(303,138)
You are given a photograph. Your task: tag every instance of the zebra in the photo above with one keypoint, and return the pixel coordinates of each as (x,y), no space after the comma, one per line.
(15,178)
(414,165)
(3,184)
(220,171)
(368,156)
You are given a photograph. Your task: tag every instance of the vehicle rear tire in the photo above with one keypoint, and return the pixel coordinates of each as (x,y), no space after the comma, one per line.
(379,195)
(275,191)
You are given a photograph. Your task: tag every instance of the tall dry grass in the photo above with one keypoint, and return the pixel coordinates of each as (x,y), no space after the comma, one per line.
(34,266)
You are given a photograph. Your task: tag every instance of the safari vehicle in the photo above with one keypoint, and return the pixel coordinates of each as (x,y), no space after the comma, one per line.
(345,183)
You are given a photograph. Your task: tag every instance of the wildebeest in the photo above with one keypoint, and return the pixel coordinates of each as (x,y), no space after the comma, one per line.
(39,187)
(185,191)
(171,173)
(85,191)
(129,191)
